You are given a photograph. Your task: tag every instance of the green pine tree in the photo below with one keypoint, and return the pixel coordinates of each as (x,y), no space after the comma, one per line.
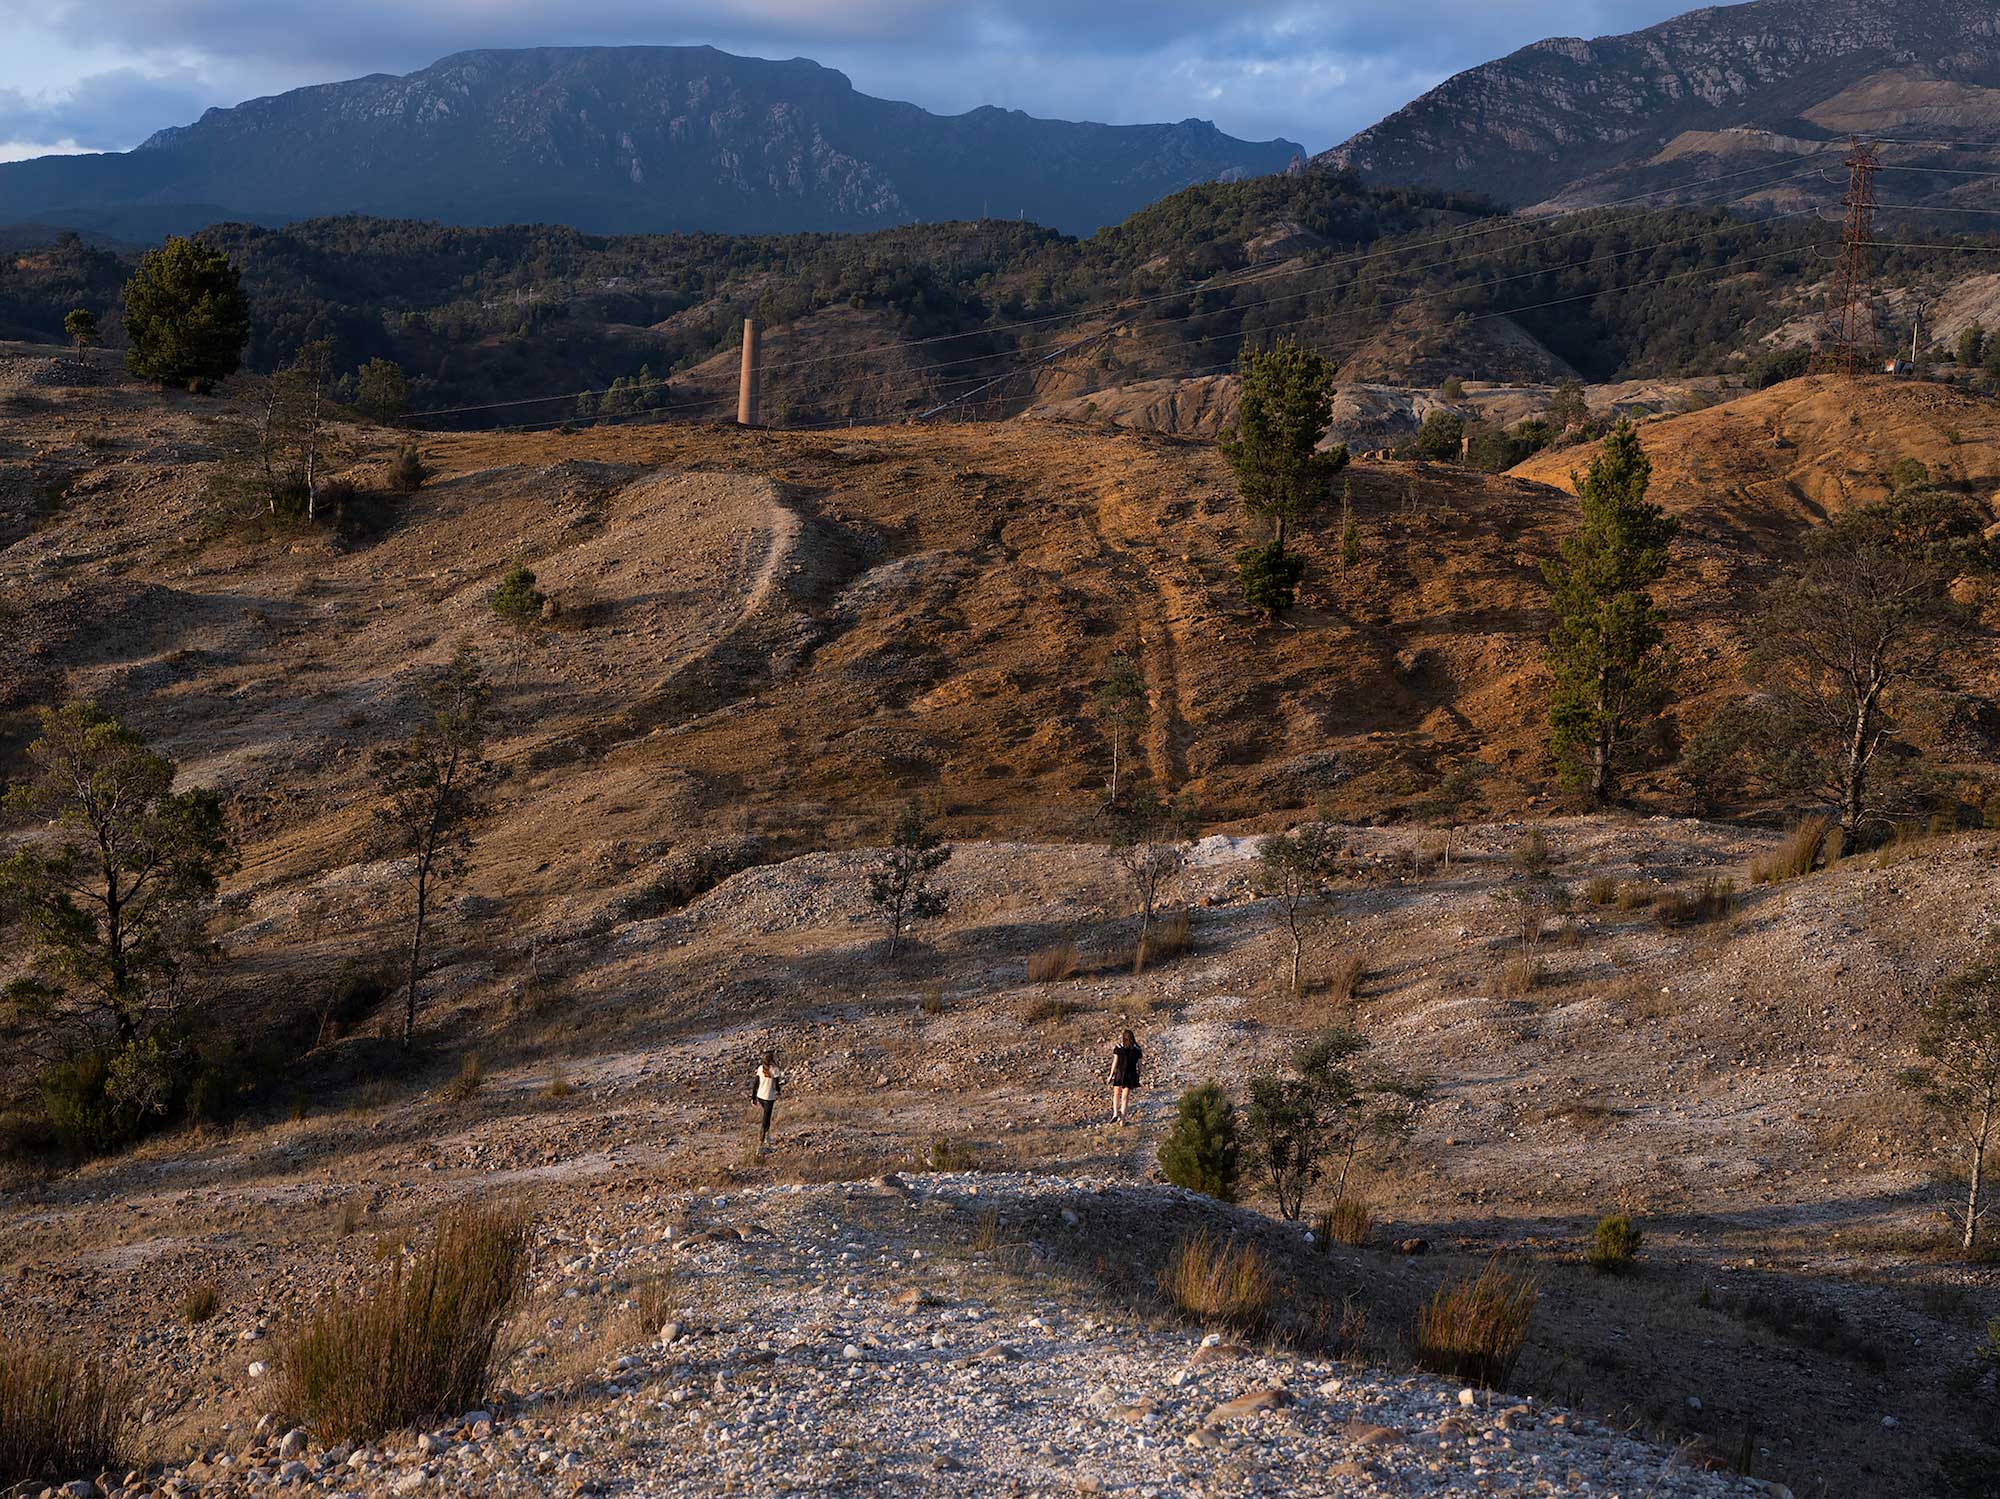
(1606,649)
(1281,473)
(186,315)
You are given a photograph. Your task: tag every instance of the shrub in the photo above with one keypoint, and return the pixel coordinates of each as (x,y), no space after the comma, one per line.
(1531,855)
(1600,890)
(418,1344)
(60,1413)
(931,1001)
(1633,897)
(1053,963)
(1170,937)
(1473,1329)
(1521,975)
(558,1085)
(83,1117)
(200,1304)
(1349,1221)
(471,1077)
(409,472)
(1219,1282)
(1270,577)
(1797,856)
(517,601)
(1615,1245)
(1201,1151)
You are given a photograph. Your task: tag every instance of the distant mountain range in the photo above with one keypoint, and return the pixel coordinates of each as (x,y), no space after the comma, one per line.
(1567,123)
(625,139)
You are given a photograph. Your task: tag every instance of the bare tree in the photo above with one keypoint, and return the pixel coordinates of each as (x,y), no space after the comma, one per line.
(1294,869)
(432,786)
(1959,1076)
(300,415)
(1149,840)
(1852,635)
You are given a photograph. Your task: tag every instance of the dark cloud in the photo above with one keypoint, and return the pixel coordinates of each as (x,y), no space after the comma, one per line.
(1312,70)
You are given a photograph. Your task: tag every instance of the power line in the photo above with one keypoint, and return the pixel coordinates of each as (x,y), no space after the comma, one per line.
(1252,275)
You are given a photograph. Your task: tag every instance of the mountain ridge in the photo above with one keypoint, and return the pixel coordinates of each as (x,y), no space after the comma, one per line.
(1569,121)
(625,140)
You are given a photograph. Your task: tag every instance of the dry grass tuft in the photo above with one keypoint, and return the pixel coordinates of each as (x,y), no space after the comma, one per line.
(1472,1330)
(1711,900)
(1052,964)
(1049,1011)
(419,1343)
(60,1413)
(200,1303)
(1344,976)
(652,1303)
(1634,897)
(948,1154)
(931,1001)
(1349,1221)
(1170,937)
(1521,975)
(1600,890)
(1219,1282)
(471,1078)
(1799,854)
(558,1085)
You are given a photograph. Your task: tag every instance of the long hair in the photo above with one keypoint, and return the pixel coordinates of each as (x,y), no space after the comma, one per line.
(1129,1040)
(770,1061)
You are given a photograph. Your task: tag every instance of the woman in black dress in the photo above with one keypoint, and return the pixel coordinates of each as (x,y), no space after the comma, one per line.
(1124,1076)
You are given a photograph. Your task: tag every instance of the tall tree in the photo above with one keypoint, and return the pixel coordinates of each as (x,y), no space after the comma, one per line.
(900,885)
(1859,629)
(1605,650)
(1336,1099)
(1294,869)
(432,785)
(115,901)
(381,389)
(1285,407)
(1121,711)
(1959,1076)
(186,315)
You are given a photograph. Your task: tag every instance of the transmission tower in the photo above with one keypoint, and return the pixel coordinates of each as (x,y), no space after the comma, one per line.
(1850,327)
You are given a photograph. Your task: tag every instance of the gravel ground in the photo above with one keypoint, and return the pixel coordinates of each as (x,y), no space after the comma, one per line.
(891,1337)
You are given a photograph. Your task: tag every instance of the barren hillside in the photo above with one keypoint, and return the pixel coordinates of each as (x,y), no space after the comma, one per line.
(760,643)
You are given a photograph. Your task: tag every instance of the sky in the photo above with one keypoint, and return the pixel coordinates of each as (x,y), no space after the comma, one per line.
(105,74)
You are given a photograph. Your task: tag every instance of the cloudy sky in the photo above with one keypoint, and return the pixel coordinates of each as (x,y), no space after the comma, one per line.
(102,75)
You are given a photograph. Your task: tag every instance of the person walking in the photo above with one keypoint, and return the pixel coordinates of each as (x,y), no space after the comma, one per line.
(1124,1076)
(766,1090)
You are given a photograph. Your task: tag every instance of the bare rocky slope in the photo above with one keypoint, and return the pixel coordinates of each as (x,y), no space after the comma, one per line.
(762,642)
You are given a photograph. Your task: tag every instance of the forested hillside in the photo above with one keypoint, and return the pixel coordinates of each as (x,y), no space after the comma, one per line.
(516,314)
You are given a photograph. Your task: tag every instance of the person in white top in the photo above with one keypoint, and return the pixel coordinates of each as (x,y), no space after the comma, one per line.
(767,1090)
